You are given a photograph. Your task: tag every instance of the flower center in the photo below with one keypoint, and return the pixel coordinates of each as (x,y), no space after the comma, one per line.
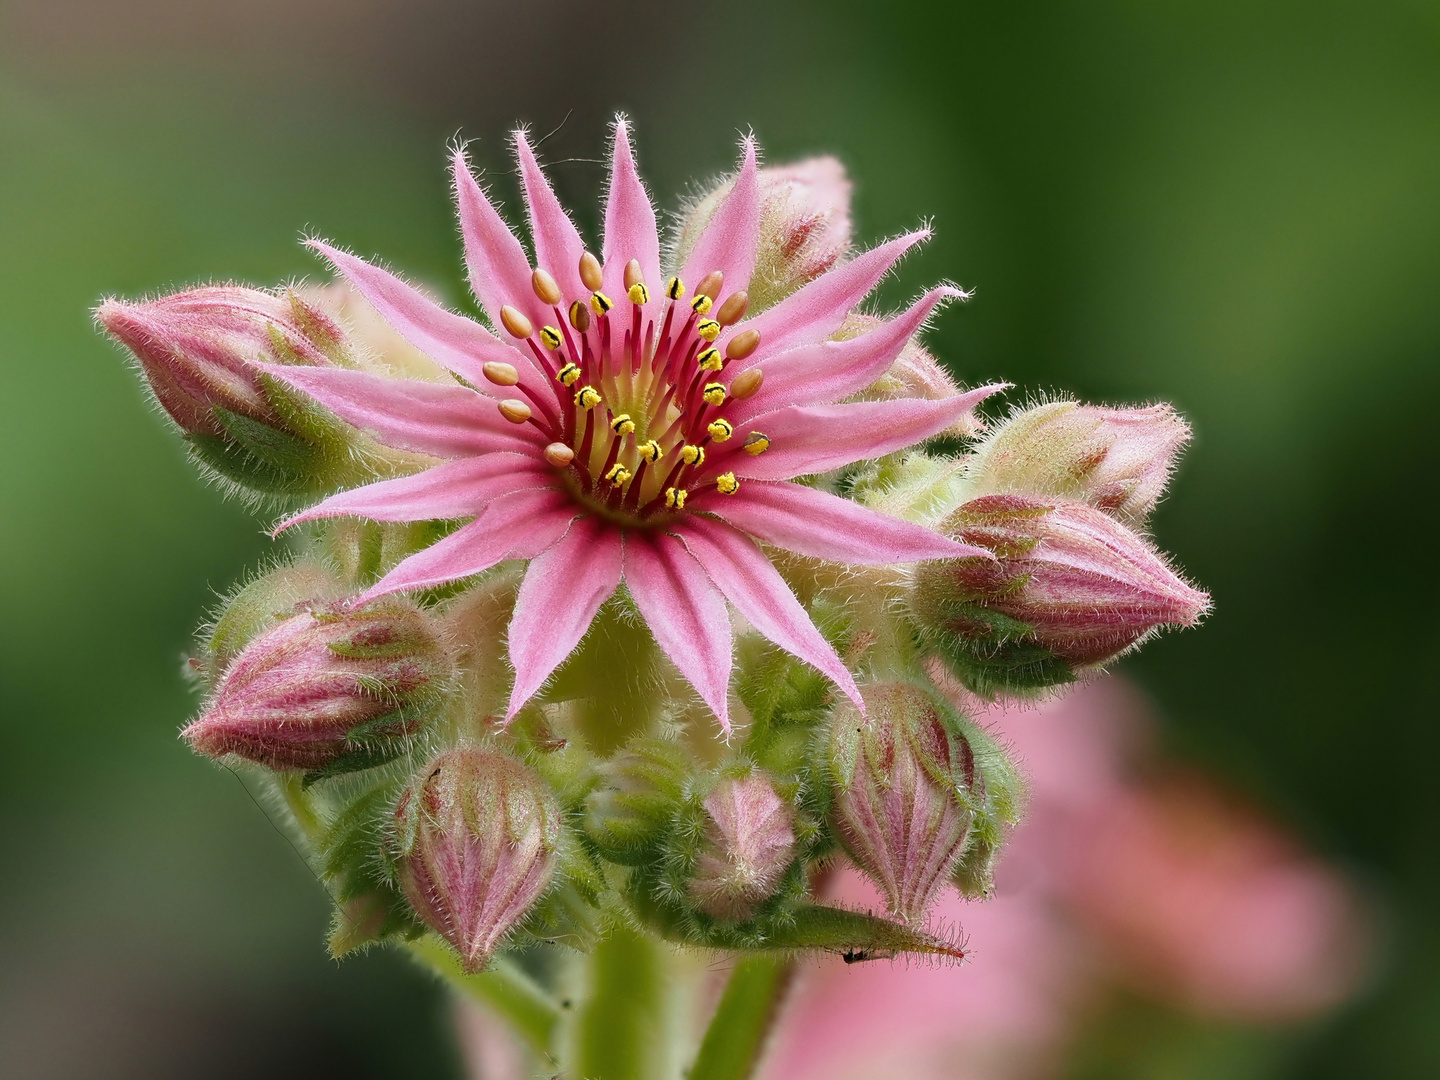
(637,414)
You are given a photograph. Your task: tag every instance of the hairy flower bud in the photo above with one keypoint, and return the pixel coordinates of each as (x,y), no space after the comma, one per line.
(906,792)
(915,373)
(477,836)
(1069,588)
(1117,460)
(327,689)
(197,348)
(747,845)
(804,226)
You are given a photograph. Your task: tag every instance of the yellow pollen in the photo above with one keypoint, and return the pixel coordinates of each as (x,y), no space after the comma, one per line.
(639,294)
(568,375)
(702,303)
(587,397)
(650,451)
(559,455)
(693,455)
(550,336)
(708,329)
(711,283)
(501,374)
(709,360)
(580,316)
(516,324)
(514,410)
(746,383)
(714,393)
(546,291)
(600,302)
(621,424)
(674,288)
(742,345)
(720,429)
(734,308)
(675,498)
(590,272)
(756,443)
(617,475)
(727,483)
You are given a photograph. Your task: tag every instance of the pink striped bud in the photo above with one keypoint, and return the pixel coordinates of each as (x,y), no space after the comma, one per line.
(327,689)
(747,845)
(1069,588)
(1117,460)
(477,836)
(197,348)
(906,792)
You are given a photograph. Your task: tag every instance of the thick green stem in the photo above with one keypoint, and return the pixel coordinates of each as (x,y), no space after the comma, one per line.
(621,1032)
(736,1035)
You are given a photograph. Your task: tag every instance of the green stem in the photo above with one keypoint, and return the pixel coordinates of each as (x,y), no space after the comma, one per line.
(621,1031)
(503,988)
(736,1035)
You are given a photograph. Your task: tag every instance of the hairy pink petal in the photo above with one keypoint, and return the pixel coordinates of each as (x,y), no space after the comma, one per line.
(455,489)
(562,591)
(751,583)
(816,311)
(630,231)
(832,370)
(428,418)
(557,242)
(499,268)
(516,526)
(728,242)
(685,612)
(825,526)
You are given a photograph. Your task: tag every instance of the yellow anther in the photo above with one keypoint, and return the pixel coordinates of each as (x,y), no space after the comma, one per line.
(734,308)
(714,393)
(720,429)
(550,336)
(580,316)
(727,483)
(702,303)
(639,294)
(514,410)
(650,451)
(708,329)
(693,455)
(590,272)
(675,498)
(621,424)
(515,323)
(711,283)
(746,383)
(618,475)
(501,374)
(674,288)
(742,344)
(546,291)
(559,455)
(709,359)
(756,443)
(568,375)
(600,302)
(587,397)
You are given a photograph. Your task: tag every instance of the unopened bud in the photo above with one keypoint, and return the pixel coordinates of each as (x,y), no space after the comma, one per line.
(327,689)
(477,836)
(747,845)
(915,373)
(198,348)
(1117,460)
(1069,588)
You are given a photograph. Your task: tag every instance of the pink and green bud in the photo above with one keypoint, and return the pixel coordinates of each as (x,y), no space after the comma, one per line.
(906,790)
(916,373)
(477,835)
(1116,460)
(804,226)
(328,690)
(198,349)
(747,845)
(1069,588)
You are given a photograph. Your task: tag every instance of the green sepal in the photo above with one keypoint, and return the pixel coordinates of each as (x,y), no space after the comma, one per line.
(989,652)
(369,905)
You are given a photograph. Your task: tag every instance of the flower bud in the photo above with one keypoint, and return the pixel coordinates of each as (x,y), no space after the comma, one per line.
(328,689)
(197,348)
(747,845)
(477,837)
(915,373)
(906,791)
(804,226)
(1117,460)
(1069,588)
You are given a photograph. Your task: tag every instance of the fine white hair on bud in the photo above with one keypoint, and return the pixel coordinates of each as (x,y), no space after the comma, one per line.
(747,844)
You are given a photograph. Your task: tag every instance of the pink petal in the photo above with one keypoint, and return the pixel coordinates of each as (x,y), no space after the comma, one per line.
(816,311)
(808,439)
(515,526)
(557,242)
(730,237)
(461,344)
(825,526)
(499,268)
(559,597)
(751,583)
(630,231)
(832,370)
(429,418)
(684,612)
(455,489)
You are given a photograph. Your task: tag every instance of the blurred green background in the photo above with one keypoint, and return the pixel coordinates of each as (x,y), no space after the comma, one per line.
(1234,206)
